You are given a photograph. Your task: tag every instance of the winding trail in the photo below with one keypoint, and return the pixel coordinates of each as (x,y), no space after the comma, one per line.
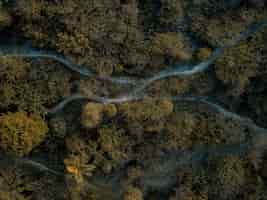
(161,176)
(135,94)
(140,85)
(159,172)
(13,161)
(244,121)
(26,51)
(194,99)
(79,97)
(158,175)
(187,70)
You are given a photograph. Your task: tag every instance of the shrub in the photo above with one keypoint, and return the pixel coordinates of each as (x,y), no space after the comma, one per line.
(237,66)
(133,194)
(171,44)
(229,177)
(203,53)
(20,133)
(147,110)
(93,113)
(30,88)
(5,18)
(171,12)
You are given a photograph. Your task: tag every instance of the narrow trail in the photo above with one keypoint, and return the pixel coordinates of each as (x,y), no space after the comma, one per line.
(26,51)
(136,94)
(157,175)
(162,175)
(180,71)
(195,99)
(14,161)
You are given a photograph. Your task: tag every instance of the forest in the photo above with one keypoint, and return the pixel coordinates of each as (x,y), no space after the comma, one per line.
(133,100)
